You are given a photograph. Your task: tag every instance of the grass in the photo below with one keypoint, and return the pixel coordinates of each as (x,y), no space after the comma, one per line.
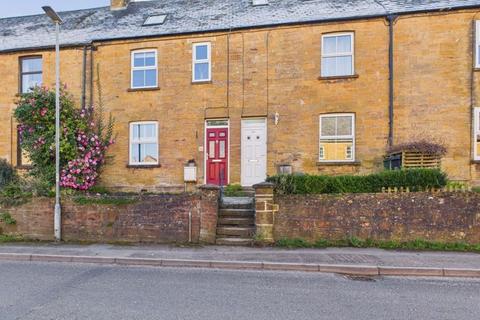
(4,238)
(355,242)
(82,200)
(233,190)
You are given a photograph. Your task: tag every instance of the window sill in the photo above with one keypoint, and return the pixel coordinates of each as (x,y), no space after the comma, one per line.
(338,163)
(353,76)
(202,82)
(476,69)
(143,89)
(475,161)
(143,166)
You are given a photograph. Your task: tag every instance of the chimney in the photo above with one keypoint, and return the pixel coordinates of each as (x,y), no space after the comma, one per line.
(118,4)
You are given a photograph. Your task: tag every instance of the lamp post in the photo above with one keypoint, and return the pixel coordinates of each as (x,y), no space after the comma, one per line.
(58,213)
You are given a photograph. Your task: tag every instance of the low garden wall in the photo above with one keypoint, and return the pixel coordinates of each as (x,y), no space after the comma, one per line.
(150,218)
(445,216)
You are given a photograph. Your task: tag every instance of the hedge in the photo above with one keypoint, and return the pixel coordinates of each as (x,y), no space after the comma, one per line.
(414,179)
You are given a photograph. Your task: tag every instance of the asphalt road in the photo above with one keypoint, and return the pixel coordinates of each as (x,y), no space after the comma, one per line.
(77,291)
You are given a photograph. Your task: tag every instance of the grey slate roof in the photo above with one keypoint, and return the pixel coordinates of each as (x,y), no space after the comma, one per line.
(189,16)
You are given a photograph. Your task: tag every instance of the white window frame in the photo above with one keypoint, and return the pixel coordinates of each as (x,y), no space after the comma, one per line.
(476,132)
(27,73)
(336,55)
(208,60)
(477,44)
(135,140)
(352,136)
(133,68)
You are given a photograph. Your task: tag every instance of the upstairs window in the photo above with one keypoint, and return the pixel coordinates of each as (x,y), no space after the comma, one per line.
(144,143)
(30,73)
(144,69)
(337,137)
(338,55)
(477,44)
(202,66)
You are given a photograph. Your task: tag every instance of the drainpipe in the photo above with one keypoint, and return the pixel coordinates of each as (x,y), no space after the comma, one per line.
(391,21)
(84,76)
(92,50)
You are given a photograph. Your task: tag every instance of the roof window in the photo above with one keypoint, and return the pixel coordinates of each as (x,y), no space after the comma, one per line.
(259,2)
(155,20)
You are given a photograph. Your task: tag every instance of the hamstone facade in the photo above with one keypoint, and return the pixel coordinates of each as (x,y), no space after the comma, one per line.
(274,73)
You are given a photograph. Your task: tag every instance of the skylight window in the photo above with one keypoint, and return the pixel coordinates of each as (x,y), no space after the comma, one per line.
(155,20)
(260,2)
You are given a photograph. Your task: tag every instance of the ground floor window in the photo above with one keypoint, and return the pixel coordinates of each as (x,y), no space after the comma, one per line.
(144,143)
(337,137)
(476,134)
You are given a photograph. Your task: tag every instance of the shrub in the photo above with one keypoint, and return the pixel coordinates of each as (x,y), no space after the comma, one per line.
(233,190)
(7,173)
(415,179)
(83,142)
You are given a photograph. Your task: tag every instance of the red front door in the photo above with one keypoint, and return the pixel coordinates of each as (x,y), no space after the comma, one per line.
(217,156)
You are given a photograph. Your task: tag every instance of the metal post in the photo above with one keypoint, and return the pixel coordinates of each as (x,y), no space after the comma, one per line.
(58,213)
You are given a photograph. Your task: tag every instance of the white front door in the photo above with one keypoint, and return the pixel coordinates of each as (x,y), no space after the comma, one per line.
(254,151)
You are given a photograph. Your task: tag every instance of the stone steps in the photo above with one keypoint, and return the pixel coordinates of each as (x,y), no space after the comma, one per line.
(236,213)
(234,241)
(240,232)
(244,222)
(236,221)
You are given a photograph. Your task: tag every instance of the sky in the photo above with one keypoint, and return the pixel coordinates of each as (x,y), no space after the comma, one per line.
(13,8)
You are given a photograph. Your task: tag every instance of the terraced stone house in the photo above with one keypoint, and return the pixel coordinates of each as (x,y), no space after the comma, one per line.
(243,89)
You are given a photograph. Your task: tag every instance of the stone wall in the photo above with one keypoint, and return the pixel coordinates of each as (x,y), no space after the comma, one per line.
(161,218)
(448,217)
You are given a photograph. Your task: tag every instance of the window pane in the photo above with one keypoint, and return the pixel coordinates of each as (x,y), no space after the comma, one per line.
(147,131)
(31,80)
(201,52)
(139,59)
(329,45)
(136,131)
(201,71)
(344,44)
(328,126)
(344,66)
(211,149)
(344,126)
(138,78)
(221,152)
(149,153)
(328,67)
(150,59)
(150,78)
(32,65)
(135,153)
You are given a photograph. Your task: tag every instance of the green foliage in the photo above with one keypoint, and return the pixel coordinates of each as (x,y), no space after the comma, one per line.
(4,238)
(418,244)
(233,190)
(7,173)
(293,243)
(415,179)
(35,113)
(84,138)
(104,200)
(7,218)
(14,195)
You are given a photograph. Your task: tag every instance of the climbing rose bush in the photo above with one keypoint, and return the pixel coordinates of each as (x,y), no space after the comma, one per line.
(84,138)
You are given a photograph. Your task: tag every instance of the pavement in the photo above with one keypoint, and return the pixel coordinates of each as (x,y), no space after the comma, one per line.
(61,291)
(355,261)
